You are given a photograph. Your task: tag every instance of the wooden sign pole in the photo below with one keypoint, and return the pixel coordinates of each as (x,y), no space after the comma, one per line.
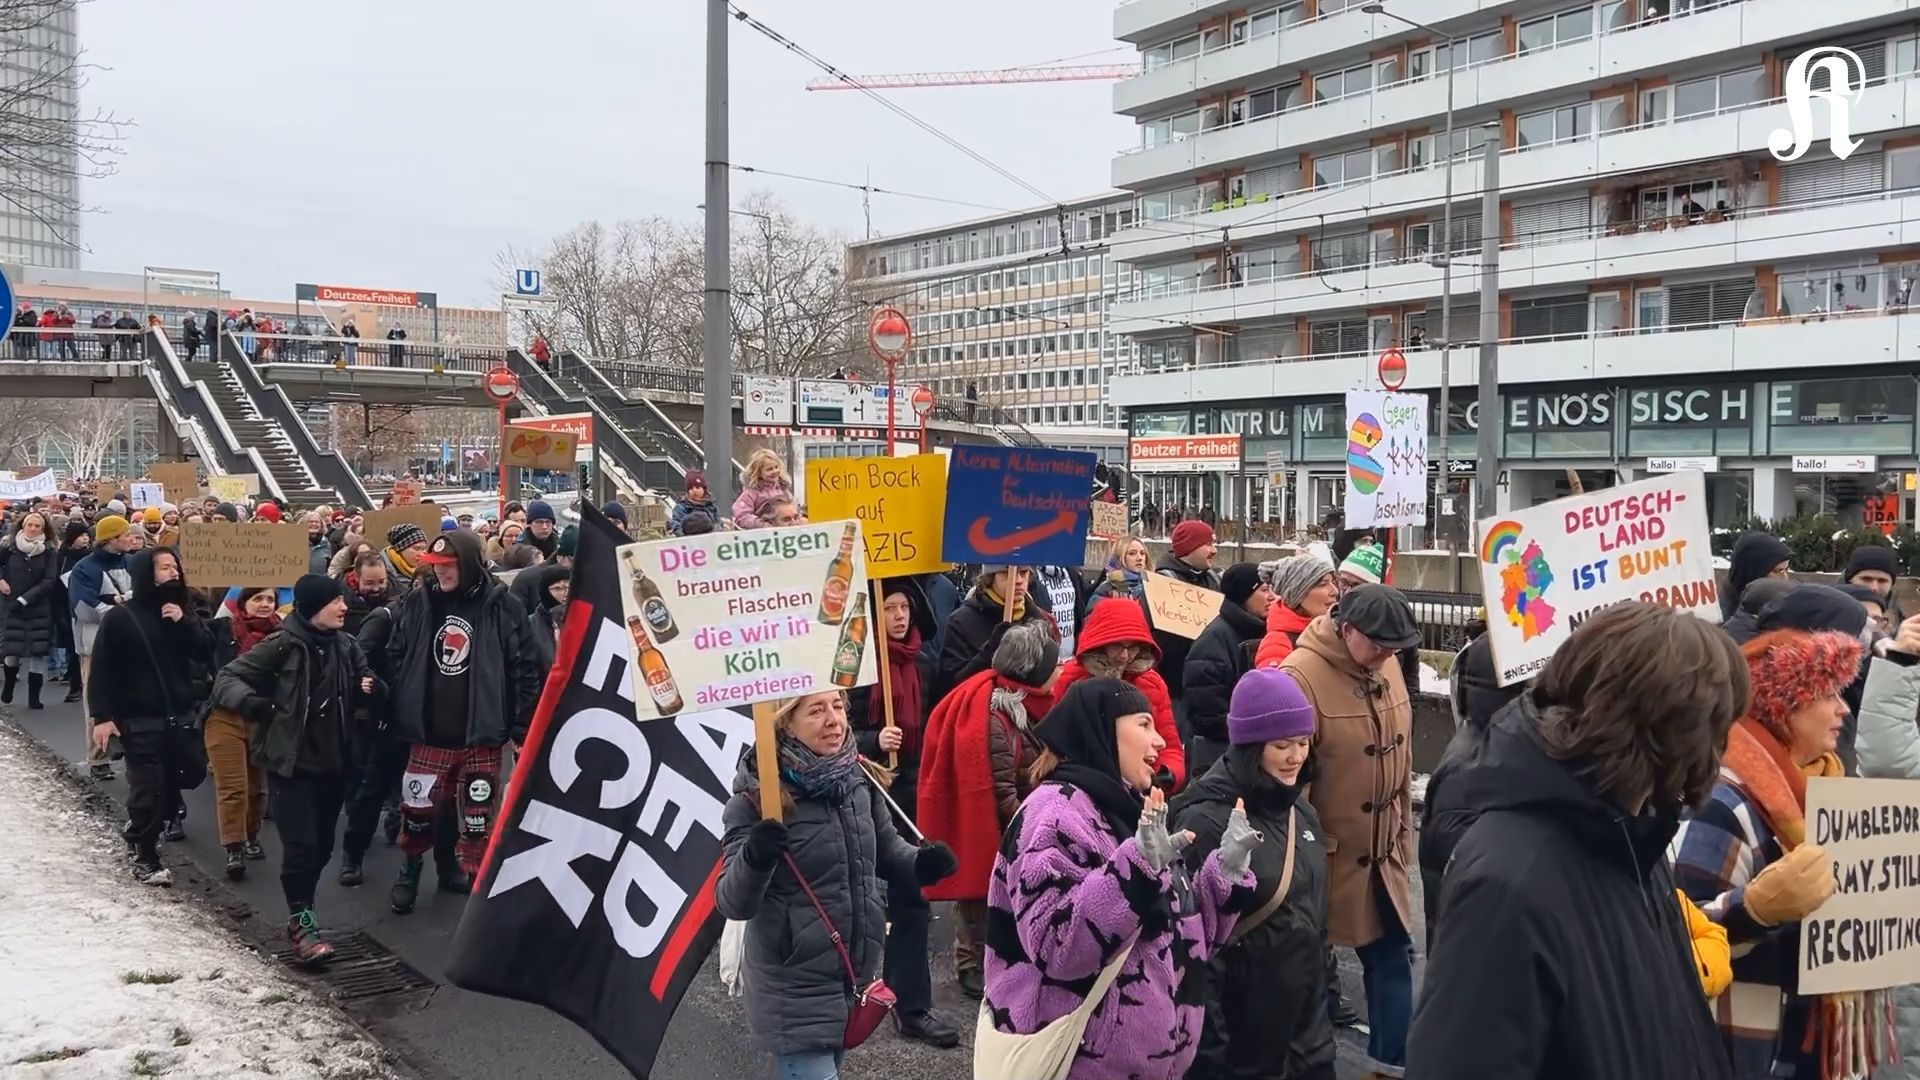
(882,642)
(766,753)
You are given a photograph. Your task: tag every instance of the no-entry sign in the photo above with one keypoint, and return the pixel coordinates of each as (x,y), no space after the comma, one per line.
(1393,369)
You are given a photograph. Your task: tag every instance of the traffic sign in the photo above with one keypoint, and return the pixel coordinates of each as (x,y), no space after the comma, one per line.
(6,294)
(501,385)
(889,335)
(1393,369)
(922,402)
(526,282)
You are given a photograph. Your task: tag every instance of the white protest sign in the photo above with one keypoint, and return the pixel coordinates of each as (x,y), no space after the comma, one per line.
(1386,459)
(41,486)
(148,494)
(1867,935)
(1544,570)
(733,618)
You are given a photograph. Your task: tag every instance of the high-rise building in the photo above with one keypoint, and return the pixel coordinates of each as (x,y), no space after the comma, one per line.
(1013,307)
(39,217)
(1671,294)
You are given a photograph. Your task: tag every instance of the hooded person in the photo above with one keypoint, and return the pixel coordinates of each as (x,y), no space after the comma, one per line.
(1747,858)
(550,589)
(1090,904)
(543,531)
(466,677)
(161,656)
(615,513)
(1304,588)
(1559,914)
(1266,1004)
(1222,653)
(698,500)
(299,688)
(1117,644)
(1744,623)
(1755,555)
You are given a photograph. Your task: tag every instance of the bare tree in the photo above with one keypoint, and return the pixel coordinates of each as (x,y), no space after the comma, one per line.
(47,144)
(24,423)
(375,437)
(90,430)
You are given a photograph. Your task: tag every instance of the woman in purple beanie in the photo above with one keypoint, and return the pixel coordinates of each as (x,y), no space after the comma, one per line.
(1266,1008)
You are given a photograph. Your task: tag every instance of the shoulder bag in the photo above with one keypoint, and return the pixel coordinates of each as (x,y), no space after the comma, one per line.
(1046,1054)
(872,1002)
(186,746)
(1251,922)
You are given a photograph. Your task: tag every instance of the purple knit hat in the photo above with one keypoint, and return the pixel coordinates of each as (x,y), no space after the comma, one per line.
(1267,705)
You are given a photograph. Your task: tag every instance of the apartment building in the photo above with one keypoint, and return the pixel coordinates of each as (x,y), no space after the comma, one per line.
(1670,294)
(1012,307)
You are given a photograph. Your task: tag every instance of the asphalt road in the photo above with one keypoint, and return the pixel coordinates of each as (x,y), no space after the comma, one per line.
(450,1034)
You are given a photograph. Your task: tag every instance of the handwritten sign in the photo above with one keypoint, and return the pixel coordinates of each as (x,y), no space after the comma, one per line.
(1180,608)
(41,486)
(232,489)
(406,491)
(257,553)
(735,618)
(536,448)
(1109,519)
(104,491)
(180,479)
(1386,459)
(1012,505)
(1544,570)
(899,503)
(1867,935)
(147,494)
(379,521)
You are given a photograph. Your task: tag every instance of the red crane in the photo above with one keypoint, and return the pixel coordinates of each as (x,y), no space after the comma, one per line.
(985,77)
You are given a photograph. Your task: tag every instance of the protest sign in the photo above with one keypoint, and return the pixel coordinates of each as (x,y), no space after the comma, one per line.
(1867,934)
(252,554)
(406,491)
(232,489)
(1109,519)
(737,617)
(1386,459)
(1179,608)
(536,448)
(105,490)
(899,503)
(1881,512)
(377,522)
(145,494)
(1544,570)
(1009,505)
(180,479)
(41,486)
(596,899)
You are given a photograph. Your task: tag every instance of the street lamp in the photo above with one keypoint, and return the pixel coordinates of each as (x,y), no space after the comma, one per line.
(1444,260)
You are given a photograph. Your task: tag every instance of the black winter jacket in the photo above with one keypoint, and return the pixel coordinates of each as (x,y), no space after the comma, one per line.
(1173,647)
(1220,655)
(1563,954)
(1266,1002)
(973,632)
(33,583)
(160,668)
(797,992)
(270,686)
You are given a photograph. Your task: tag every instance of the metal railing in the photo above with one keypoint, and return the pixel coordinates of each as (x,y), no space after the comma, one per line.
(195,414)
(325,468)
(406,355)
(77,344)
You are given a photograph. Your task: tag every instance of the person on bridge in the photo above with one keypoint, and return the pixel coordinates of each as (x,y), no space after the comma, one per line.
(24,322)
(49,319)
(542,529)
(397,350)
(129,335)
(466,680)
(66,321)
(190,336)
(29,582)
(103,322)
(99,582)
(764,480)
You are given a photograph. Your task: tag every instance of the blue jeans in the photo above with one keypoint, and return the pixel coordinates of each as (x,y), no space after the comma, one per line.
(815,1066)
(1387,973)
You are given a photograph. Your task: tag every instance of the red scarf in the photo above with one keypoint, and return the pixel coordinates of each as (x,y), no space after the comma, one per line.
(248,631)
(903,669)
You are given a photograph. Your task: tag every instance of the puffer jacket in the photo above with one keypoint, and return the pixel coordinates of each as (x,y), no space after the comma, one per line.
(1888,746)
(1220,655)
(751,500)
(1273,980)
(33,581)
(1115,622)
(796,987)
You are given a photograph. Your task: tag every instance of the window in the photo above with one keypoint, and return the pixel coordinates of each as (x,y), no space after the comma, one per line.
(1699,97)
(1332,85)
(1549,126)
(1650,310)
(1425,237)
(1853,288)
(1552,31)
(1903,168)
(1551,317)
(1343,167)
(1337,336)
(1692,201)
(1272,99)
(1020,380)
(1708,303)
(1425,151)
(1603,313)
(1473,49)
(1337,252)
(1159,56)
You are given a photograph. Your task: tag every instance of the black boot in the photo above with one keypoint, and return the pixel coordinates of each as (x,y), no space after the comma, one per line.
(73,683)
(406,889)
(927,1027)
(34,682)
(6,689)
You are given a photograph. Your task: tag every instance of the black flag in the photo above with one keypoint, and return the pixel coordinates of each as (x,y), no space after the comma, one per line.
(596,899)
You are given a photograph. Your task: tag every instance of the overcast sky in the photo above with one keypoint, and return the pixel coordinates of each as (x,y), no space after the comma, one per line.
(403,143)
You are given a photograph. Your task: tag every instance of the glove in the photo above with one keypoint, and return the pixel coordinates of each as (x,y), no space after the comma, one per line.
(766,841)
(1156,847)
(259,709)
(935,862)
(1792,888)
(1238,842)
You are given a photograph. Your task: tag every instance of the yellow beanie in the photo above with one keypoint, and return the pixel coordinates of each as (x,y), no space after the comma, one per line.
(109,528)
(152,516)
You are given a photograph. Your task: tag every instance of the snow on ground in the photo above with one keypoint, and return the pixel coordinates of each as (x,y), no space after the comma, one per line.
(1432,682)
(103,977)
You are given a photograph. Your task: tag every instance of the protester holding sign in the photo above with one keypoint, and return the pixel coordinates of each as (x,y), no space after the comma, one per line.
(976,626)
(1117,645)
(1746,856)
(1189,559)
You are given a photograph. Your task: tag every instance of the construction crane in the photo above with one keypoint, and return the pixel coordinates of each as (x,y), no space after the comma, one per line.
(986,77)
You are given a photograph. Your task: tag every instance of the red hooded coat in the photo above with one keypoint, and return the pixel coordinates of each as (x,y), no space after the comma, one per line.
(1114,621)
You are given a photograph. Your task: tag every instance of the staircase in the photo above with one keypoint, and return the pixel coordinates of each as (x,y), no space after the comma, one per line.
(263,435)
(636,464)
(649,426)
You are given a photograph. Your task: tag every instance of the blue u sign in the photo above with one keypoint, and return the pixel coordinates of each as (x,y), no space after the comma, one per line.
(526,282)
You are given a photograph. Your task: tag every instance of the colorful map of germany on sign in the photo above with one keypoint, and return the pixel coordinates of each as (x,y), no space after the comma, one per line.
(1524,577)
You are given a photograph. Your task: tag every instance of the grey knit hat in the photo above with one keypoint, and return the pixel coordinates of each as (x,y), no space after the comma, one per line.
(1296,575)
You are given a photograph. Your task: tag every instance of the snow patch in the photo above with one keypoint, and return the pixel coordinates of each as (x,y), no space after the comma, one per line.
(1431,682)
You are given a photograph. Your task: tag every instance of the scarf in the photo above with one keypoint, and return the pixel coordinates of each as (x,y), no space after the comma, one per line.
(249,630)
(399,560)
(826,778)
(1000,603)
(1132,581)
(31,547)
(903,673)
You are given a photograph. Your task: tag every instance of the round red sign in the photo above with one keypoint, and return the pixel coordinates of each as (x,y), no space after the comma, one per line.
(501,384)
(889,335)
(1393,369)
(922,402)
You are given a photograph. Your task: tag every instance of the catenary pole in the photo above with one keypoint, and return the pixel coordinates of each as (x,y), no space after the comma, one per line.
(716,414)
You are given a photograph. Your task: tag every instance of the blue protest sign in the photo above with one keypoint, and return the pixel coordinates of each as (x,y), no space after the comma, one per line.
(1018,506)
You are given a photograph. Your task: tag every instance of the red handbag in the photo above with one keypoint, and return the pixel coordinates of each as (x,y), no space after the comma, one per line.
(872,1002)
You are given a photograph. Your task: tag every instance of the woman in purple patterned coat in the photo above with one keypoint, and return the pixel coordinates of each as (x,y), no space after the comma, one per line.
(1086,872)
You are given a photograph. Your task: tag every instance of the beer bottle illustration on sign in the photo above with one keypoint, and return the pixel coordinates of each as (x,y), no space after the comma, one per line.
(833,595)
(853,645)
(653,607)
(653,669)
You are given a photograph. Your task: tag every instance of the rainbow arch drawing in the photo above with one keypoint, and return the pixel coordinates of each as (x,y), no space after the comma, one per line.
(1500,536)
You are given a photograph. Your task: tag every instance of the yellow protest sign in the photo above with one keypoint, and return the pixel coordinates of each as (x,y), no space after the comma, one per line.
(256,553)
(1179,608)
(536,448)
(232,489)
(900,503)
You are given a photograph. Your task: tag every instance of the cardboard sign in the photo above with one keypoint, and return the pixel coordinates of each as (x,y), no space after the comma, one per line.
(1881,512)
(232,489)
(254,553)
(1109,519)
(899,503)
(406,491)
(535,448)
(147,494)
(1544,570)
(181,479)
(1386,459)
(105,490)
(734,618)
(1867,935)
(379,521)
(1179,608)
(1015,506)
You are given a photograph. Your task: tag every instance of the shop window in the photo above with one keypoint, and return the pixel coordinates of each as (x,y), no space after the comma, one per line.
(1841,415)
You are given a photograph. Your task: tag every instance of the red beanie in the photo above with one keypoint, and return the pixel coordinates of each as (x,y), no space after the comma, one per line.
(266,511)
(1792,667)
(1190,536)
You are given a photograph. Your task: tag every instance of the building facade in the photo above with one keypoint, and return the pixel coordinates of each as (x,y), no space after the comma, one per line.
(39,217)
(1012,308)
(1670,294)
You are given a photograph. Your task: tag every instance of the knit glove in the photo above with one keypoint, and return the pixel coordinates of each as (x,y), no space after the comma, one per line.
(1156,847)
(1791,888)
(935,862)
(1238,842)
(765,843)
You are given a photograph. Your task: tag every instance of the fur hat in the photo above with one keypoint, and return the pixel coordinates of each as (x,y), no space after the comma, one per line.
(1792,667)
